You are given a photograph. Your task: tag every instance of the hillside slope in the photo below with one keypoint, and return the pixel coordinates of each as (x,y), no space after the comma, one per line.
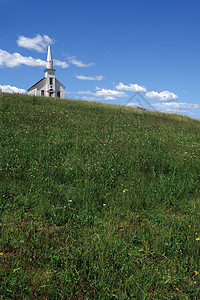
(98,201)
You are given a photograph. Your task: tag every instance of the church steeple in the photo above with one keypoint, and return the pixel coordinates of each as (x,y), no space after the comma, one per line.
(49,59)
(48,86)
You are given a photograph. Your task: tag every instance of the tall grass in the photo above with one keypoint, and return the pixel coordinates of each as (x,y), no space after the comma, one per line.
(98,201)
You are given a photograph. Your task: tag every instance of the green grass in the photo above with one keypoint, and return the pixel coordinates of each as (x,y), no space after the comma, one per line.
(98,201)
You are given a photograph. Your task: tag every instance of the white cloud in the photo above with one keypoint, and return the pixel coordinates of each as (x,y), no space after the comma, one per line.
(82,77)
(112,93)
(16,59)
(12,89)
(81,92)
(38,43)
(132,104)
(101,94)
(131,87)
(74,61)
(62,64)
(110,98)
(171,106)
(163,96)
(85,93)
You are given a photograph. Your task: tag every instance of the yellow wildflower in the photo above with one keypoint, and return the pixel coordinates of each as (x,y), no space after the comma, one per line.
(198,239)
(196,273)
(1,253)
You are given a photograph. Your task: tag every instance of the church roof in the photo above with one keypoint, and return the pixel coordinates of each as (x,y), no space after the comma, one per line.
(60,83)
(33,86)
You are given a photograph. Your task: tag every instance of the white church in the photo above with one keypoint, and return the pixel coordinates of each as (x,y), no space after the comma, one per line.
(48,86)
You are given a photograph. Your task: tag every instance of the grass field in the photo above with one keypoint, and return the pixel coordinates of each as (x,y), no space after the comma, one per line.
(98,201)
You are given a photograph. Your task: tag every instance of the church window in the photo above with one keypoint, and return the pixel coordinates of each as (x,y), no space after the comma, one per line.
(58,94)
(51,80)
(42,93)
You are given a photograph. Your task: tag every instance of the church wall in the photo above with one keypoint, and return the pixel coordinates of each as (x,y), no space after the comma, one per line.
(59,88)
(62,95)
(44,86)
(32,92)
(41,86)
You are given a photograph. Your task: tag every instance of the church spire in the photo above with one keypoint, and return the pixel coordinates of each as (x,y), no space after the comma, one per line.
(49,59)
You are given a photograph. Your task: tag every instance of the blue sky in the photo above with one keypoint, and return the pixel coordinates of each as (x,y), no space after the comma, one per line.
(106,50)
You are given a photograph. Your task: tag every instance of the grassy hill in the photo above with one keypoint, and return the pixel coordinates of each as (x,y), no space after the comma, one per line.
(98,201)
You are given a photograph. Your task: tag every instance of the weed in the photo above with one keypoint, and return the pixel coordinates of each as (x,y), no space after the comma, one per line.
(98,201)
